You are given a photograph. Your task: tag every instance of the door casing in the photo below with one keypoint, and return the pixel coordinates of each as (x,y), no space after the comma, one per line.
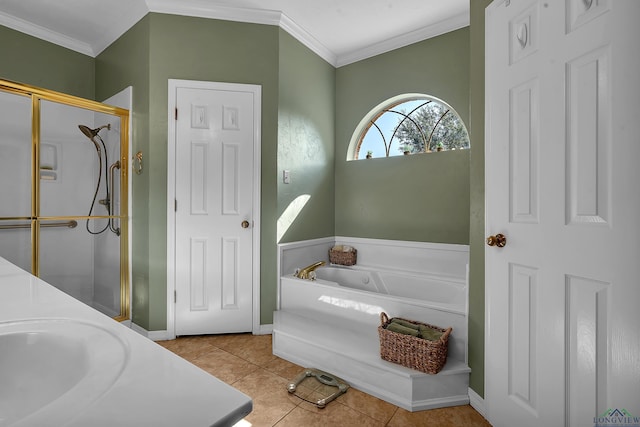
(173,85)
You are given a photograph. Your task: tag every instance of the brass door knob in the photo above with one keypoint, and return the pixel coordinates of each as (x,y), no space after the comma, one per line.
(499,240)
(244,224)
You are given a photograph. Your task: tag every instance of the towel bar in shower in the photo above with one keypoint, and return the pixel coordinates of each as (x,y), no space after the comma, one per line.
(68,224)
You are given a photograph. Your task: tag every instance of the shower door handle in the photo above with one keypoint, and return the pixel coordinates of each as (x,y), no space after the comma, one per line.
(112,168)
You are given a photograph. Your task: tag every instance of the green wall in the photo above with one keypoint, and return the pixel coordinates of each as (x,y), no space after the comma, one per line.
(29,60)
(212,50)
(421,197)
(179,47)
(126,63)
(476,213)
(305,142)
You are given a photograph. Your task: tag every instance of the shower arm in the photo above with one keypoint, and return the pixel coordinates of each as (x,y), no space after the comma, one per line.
(112,169)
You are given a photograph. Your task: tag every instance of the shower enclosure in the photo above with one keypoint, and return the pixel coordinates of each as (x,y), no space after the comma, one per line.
(63,180)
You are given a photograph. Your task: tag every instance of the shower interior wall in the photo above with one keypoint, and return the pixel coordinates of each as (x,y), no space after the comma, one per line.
(83,265)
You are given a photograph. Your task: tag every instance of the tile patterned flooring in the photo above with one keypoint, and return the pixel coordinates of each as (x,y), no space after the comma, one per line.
(246,362)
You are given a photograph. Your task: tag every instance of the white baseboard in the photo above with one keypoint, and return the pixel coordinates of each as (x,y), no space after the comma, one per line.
(477,403)
(164,335)
(264,330)
(152,335)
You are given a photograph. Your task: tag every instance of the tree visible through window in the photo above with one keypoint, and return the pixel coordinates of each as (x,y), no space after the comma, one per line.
(410,126)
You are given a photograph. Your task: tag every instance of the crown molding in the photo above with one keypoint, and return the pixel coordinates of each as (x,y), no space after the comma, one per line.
(200,8)
(45,34)
(454,23)
(308,40)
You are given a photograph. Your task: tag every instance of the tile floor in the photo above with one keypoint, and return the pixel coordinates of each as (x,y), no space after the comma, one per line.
(246,362)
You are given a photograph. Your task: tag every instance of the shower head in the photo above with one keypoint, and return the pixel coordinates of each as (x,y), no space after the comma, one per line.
(91,133)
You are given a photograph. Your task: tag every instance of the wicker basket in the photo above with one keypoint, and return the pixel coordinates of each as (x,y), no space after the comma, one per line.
(413,352)
(343,258)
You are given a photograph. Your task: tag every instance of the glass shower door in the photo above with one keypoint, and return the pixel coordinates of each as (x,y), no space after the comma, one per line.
(63,180)
(15,179)
(79,245)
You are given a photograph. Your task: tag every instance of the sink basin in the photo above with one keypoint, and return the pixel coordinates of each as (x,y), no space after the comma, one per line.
(52,368)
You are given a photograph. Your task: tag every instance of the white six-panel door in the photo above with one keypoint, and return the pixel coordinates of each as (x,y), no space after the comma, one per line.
(214,212)
(562,128)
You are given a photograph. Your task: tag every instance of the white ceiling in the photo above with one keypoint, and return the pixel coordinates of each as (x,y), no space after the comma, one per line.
(340,31)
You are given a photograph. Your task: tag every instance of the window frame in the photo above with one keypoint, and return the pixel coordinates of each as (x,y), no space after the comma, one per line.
(367,122)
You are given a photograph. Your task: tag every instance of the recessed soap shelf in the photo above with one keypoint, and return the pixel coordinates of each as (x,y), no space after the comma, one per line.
(48,162)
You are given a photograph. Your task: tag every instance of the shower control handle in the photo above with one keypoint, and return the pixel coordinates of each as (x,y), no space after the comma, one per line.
(244,224)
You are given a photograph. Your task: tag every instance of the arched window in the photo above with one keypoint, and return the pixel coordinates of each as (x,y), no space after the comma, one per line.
(408,124)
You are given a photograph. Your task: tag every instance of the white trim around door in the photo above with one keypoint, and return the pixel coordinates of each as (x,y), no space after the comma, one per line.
(256,90)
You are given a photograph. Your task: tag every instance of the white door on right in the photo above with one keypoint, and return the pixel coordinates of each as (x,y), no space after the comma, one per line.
(563,210)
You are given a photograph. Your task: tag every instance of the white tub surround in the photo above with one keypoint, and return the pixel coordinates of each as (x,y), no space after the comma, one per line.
(64,363)
(331,323)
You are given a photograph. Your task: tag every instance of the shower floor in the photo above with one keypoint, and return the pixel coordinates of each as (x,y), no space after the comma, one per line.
(102,309)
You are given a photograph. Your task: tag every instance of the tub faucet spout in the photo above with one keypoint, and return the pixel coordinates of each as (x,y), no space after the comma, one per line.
(304,272)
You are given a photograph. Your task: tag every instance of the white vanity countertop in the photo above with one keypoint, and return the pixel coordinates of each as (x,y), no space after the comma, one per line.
(138,382)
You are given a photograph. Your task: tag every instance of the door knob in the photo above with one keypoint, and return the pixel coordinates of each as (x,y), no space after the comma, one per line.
(244,224)
(499,240)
